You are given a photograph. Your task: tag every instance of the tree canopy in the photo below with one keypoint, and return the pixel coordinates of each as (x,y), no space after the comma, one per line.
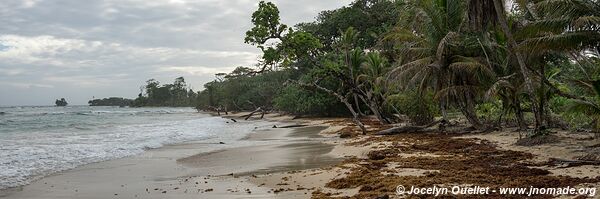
(531,65)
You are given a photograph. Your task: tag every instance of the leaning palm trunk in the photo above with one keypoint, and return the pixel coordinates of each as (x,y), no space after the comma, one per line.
(512,45)
(468,111)
(373,106)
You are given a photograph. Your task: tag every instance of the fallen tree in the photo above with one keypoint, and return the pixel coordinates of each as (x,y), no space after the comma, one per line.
(409,129)
(259,109)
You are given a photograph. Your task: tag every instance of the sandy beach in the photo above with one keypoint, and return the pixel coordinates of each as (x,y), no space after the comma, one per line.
(309,160)
(185,171)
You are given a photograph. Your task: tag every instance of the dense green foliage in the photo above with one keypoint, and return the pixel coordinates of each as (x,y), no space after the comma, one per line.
(418,107)
(111,101)
(177,94)
(61,102)
(533,65)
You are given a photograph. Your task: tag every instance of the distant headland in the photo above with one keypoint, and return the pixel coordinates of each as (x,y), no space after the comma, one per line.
(111,101)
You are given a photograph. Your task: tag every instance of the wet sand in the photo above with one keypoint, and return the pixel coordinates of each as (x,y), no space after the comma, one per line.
(186,171)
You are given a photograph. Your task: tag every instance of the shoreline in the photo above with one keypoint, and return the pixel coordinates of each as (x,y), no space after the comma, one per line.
(309,160)
(274,150)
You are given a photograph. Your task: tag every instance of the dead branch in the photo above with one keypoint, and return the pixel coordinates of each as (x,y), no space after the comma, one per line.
(255,111)
(409,129)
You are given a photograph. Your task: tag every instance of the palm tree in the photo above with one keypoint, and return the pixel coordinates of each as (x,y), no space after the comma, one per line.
(484,14)
(565,25)
(372,84)
(351,59)
(437,55)
(422,38)
(569,27)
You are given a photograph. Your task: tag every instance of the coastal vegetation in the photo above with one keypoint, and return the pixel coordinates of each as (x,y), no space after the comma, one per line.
(61,102)
(177,94)
(531,64)
(111,101)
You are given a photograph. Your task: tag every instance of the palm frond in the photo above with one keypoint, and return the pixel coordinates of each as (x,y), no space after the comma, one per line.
(559,8)
(454,90)
(472,66)
(543,26)
(580,106)
(569,41)
(402,72)
(443,44)
(497,87)
(586,21)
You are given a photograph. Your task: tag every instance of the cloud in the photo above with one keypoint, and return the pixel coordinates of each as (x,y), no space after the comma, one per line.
(193,70)
(112,46)
(25,85)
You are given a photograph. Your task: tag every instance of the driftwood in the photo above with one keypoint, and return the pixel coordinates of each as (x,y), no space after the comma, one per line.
(219,110)
(293,126)
(487,129)
(441,129)
(253,112)
(408,129)
(572,163)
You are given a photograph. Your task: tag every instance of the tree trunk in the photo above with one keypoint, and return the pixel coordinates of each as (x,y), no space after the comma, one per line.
(443,110)
(357,105)
(512,45)
(375,109)
(519,114)
(543,104)
(470,113)
(355,116)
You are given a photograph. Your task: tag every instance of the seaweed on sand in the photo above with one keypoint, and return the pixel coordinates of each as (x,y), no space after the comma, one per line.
(455,161)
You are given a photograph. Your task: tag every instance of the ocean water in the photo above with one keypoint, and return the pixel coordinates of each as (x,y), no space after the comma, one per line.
(38,141)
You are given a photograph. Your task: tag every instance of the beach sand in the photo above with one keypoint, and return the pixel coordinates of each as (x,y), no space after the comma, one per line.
(310,160)
(184,171)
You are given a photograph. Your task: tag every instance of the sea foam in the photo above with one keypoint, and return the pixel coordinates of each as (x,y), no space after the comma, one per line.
(34,144)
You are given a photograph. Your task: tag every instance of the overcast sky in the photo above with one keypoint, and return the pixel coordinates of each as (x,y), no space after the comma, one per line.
(82,48)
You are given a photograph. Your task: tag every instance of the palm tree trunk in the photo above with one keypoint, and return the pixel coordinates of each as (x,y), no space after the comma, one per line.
(470,113)
(355,116)
(512,45)
(519,114)
(443,110)
(372,104)
(343,99)
(351,70)
(356,103)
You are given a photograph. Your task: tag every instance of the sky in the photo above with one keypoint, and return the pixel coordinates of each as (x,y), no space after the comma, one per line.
(84,49)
